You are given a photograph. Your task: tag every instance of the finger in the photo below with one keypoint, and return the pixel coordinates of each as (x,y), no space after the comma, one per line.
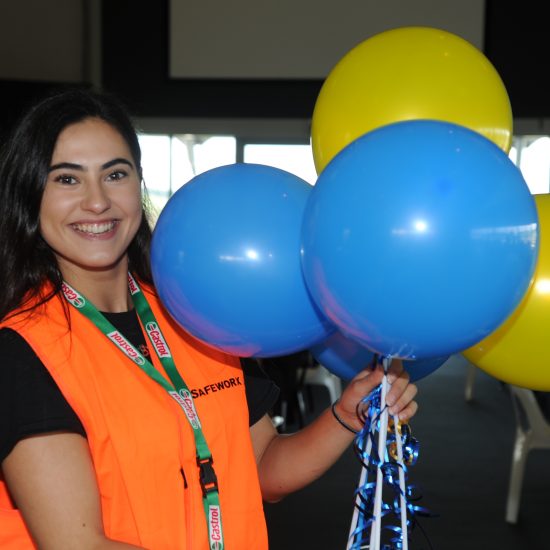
(359,387)
(367,371)
(397,388)
(367,380)
(401,402)
(395,370)
(408,412)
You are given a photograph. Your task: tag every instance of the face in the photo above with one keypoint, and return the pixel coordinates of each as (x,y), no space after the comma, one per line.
(91,206)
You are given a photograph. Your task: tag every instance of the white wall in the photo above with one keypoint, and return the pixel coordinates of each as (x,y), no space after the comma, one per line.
(45,39)
(297,38)
(42,40)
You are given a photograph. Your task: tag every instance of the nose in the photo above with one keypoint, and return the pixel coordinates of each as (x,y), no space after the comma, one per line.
(96,198)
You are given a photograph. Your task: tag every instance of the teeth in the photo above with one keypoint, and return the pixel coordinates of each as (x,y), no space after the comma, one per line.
(94,228)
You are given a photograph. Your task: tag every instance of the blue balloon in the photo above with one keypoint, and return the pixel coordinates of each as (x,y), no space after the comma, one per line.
(342,356)
(419,239)
(423,367)
(346,357)
(226,261)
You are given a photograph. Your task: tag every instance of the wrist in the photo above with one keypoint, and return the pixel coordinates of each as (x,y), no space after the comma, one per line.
(343,420)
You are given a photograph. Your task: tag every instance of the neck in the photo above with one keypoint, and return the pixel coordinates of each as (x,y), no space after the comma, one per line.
(106,289)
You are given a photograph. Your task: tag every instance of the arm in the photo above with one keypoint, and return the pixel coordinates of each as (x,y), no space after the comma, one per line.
(287,463)
(52,480)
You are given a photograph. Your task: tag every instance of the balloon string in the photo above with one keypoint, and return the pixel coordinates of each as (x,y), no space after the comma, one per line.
(402,488)
(385,449)
(382,434)
(362,482)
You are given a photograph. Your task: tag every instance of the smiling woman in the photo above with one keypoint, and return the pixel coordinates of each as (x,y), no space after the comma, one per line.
(85,416)
(106,438)
(45,166)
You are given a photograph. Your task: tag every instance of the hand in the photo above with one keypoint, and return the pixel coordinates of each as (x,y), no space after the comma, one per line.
(399,397)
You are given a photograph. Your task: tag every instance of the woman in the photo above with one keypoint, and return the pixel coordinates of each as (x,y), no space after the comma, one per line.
(98,448)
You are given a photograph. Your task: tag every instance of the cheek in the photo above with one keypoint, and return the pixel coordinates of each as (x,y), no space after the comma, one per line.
(137,207)
(54,207)
(134,208)
(47,213)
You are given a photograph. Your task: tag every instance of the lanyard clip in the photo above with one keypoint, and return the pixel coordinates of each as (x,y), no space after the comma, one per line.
(207,475)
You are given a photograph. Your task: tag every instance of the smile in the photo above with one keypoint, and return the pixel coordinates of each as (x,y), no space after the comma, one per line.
(95,228)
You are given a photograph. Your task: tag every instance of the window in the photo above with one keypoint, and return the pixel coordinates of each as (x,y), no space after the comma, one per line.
(297,159)
(532,155)
(155,162)
(170,161)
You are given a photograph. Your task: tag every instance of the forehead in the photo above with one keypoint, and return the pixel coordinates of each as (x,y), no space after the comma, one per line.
(89,140)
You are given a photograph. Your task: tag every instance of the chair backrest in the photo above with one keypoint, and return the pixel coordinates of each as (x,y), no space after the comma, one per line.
(528,412)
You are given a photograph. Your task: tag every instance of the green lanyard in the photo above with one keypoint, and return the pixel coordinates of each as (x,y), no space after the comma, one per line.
(178,390)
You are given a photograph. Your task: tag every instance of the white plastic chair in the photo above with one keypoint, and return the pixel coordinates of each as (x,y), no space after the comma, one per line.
(321,376)
(532,432)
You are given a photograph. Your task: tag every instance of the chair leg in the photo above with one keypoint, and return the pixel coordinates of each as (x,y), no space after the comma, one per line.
(470,378)
(321,376)
(301,406)
(521,449)
(284,415)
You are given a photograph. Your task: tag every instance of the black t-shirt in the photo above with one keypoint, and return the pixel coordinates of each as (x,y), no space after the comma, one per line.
(31,402)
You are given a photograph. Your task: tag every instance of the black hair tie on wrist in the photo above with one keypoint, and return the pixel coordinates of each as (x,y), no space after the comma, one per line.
(340,421)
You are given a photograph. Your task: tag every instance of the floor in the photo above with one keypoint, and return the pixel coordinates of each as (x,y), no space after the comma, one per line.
(462,473)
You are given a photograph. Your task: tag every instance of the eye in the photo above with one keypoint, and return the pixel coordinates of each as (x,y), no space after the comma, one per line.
(66,179)
(117,175)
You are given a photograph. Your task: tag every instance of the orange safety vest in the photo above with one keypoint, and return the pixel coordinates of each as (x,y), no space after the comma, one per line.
(140,440)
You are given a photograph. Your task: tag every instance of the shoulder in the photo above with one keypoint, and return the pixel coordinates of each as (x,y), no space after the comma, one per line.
(18,361)
(46,304)
(261,391)
(12,343)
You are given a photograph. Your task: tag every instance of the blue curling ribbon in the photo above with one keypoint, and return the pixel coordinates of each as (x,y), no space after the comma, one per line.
(369,410)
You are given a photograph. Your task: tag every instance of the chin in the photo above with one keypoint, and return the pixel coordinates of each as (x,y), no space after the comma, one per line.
(95,265)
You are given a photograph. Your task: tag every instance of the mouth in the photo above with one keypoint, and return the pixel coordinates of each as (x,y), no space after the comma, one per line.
(95,229)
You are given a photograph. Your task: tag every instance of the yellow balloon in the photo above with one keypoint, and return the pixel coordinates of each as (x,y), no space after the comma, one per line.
(409,73)
(518,352)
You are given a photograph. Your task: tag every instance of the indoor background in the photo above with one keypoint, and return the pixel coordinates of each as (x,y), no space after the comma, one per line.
(212,82)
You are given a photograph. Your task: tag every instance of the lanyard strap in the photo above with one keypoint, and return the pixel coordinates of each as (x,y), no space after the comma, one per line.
(177,389)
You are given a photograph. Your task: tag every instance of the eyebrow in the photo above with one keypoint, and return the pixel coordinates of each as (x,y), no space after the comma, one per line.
(73,166)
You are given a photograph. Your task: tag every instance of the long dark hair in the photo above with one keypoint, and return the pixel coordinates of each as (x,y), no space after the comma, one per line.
(26,261)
